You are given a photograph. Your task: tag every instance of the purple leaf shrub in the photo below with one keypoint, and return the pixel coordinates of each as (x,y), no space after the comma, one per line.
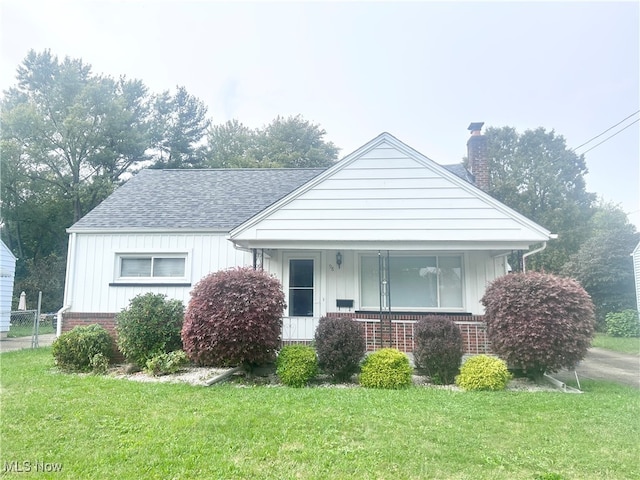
(234,317)
(538,322)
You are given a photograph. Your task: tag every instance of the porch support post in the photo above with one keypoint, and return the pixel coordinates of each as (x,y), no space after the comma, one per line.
(385,300)
(255,258)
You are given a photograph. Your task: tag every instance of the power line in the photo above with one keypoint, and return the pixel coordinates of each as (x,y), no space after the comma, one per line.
(610,128)
(610,136)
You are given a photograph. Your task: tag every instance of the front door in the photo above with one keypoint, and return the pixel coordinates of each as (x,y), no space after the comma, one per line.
(301,287)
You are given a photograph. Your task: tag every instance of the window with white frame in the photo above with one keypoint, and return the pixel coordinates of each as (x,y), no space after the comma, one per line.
(157,267)
(416,282)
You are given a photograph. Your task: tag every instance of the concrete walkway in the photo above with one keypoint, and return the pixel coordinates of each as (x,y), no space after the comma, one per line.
(12,344)
(600,364)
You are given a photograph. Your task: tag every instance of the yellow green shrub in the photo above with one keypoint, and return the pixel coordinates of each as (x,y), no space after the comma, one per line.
(483,373)
(386,368)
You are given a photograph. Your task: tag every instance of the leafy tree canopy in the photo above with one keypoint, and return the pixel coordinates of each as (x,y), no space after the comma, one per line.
(603,264)
(180,123)
(538,176)
(285,143)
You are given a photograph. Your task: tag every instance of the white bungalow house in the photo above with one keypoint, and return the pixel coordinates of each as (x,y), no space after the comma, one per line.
(385,236)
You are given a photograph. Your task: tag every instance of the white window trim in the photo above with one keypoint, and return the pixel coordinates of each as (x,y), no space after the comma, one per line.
(118,279)
(464,266)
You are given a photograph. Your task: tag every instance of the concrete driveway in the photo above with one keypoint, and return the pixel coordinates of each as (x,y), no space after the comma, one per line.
(11,344)
(600,364)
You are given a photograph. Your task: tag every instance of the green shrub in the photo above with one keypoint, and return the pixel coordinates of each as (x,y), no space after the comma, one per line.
(340,346)
(151,325)
(623,324)
(296,365)
(438,348)
(234,318)
(483,373)
(99,364)
(386,368)
(74,350)
(166,363)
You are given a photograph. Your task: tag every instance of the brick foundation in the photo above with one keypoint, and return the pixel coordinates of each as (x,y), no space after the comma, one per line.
(107,320)
(396,330)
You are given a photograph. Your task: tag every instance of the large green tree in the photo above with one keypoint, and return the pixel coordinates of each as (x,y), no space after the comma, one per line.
(68,137)
(231,145)
(291,142)
(603,264)
(180,124)
(537,175)
(74,130)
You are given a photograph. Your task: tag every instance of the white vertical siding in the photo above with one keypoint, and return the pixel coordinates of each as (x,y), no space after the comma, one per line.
(96,266)
(480,268)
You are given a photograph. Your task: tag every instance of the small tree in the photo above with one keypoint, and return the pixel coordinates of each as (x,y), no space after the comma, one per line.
(234,317)
(150,326)
(438,349)
(539,322)
(340,346)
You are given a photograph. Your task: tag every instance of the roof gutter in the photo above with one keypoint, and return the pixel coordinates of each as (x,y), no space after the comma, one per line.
(537,250)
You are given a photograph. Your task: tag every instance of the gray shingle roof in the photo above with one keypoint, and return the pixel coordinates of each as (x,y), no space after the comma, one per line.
(209,199)
(459,170)
(217,199)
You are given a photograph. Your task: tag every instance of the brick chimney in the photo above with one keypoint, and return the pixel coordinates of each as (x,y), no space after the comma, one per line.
(477,155)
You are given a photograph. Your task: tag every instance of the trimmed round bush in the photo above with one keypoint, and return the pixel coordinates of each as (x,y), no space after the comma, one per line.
(149,326)
(623,324)
(234,318)
(386,368)
(340,345)
(438,348)
(538,322)
(296,365)
(76,349)
(483,373)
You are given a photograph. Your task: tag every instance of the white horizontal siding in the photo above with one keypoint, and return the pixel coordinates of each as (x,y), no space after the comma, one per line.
(7,271)
(386,195)
(95,266)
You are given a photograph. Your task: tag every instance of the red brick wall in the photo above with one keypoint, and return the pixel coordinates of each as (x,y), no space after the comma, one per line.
(107,320)
(396,330)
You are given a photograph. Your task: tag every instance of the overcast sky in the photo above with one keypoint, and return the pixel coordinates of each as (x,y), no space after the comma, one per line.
(421,71)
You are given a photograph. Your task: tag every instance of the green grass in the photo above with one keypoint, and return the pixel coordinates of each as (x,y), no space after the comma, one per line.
(618,344)
(27,330)
(101,427)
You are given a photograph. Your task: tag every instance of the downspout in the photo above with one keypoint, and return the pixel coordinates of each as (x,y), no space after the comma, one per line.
(552,236)
(524,256)
(68,282)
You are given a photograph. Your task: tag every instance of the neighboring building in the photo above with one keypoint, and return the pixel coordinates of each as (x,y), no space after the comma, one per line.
(385,236)
(7,273)
(636,272)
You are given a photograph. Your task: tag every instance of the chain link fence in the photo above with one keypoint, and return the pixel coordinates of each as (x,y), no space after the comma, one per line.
(24,323)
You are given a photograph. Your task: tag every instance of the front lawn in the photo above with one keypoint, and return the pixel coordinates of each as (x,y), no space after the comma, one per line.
(101,427)
(618,344)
